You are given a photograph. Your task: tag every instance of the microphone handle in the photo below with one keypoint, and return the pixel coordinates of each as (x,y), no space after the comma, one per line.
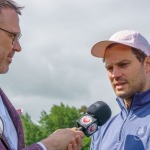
(81,129)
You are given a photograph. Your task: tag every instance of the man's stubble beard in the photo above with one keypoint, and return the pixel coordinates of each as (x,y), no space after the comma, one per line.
(134,86)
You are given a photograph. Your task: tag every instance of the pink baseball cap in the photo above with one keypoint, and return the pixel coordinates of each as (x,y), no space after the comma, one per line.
(125,37)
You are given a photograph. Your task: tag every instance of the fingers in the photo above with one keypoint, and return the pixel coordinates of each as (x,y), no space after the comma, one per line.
(70,147)
(76,144)
(79,141)
(74,128)
(78,132)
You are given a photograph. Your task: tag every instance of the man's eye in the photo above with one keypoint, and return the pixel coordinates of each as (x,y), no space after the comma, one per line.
(123,65)
(12,36)
(109,68)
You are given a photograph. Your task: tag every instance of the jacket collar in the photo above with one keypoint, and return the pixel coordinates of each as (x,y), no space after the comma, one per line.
(139,100)
(15,118)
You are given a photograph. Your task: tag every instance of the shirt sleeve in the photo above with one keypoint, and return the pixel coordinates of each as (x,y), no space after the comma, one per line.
(42,145)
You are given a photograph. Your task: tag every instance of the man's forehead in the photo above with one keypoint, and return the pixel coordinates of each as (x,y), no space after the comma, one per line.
(8,14)
(118,50)
(117,62)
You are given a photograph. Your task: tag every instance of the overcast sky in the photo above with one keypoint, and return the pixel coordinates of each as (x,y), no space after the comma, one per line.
(55,64)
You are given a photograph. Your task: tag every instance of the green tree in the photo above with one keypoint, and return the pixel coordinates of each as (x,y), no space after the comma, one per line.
(86,143)
(59,117)
(83,109)
(33,132)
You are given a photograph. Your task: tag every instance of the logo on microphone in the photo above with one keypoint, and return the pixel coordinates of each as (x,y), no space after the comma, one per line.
(85,120)
(92,128)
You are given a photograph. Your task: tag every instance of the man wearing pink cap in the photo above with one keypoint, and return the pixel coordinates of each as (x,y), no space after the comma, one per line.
(127,60)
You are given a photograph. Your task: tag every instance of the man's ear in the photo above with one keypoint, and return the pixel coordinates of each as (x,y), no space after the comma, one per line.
(147,63)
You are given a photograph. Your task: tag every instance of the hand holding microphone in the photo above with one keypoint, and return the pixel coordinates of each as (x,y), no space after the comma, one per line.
(97,115)
(71,139)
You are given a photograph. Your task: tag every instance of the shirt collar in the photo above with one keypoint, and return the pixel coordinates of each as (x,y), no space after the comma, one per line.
(139,100)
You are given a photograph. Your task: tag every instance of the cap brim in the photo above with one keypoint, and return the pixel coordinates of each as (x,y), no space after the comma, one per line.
(98,50)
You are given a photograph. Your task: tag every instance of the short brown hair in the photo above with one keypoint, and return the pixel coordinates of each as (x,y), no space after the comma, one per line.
(11,4)
(140,55)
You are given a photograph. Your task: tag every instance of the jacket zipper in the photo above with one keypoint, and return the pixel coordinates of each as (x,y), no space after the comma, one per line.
(121,130)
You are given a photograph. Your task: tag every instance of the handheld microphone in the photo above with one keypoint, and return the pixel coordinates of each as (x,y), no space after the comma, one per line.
(97,114)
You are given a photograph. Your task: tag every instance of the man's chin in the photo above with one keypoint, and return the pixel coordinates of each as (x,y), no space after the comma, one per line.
(121,94)
(3,71)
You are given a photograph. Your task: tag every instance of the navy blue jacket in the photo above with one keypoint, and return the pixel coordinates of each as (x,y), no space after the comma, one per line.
(129,130)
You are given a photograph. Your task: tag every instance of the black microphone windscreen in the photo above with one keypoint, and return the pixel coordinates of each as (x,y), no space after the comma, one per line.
(101,111)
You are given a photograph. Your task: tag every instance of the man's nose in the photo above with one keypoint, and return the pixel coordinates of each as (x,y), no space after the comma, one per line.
(17,46)
(116,73)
